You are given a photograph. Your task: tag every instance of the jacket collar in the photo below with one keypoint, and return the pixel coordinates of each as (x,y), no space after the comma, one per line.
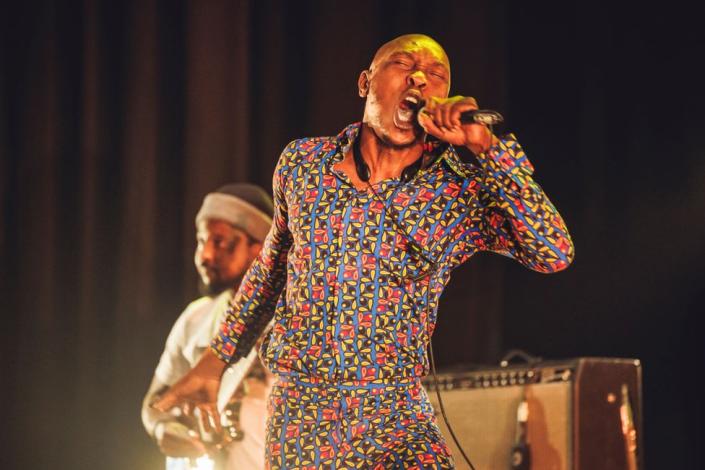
(443,152)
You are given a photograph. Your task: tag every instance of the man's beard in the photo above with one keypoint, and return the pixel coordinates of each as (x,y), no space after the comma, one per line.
(217,287)
(385,140)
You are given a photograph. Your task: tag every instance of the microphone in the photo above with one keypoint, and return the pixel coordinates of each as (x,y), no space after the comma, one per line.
(487,117)
(481,116)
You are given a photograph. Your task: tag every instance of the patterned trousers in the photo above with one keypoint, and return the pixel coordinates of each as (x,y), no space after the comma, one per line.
(314,425)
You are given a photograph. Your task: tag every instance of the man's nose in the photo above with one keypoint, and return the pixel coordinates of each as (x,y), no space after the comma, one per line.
(417,79)
(208,251)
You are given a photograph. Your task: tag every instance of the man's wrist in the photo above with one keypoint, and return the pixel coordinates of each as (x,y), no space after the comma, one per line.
(486,146)
(211,365)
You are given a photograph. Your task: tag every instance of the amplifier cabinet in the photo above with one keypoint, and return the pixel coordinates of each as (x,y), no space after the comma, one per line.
(583,414)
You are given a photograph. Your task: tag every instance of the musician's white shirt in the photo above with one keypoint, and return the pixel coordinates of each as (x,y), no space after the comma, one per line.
(190,336)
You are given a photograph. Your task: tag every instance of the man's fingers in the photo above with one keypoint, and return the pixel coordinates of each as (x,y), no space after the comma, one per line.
(191,388)
(166,402)
(428,124)
(204,424)
(457,111)
(475,135)
(447,114)
(459,108)
(208,418)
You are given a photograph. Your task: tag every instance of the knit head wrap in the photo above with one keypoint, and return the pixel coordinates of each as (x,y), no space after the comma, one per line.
(244,206)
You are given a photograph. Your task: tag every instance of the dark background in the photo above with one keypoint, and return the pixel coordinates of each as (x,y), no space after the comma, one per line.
(117,117)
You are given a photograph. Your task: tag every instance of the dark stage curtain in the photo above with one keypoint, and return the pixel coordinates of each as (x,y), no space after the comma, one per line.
(117,117)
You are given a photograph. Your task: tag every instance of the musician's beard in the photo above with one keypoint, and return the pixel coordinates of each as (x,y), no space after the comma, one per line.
(214,289)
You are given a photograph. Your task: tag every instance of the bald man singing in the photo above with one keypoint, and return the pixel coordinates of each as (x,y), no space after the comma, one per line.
(368,226)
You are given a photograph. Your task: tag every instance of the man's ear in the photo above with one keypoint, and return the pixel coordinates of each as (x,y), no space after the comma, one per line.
(363,83)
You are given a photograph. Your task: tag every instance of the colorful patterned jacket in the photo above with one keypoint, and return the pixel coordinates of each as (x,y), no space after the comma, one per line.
(354,295)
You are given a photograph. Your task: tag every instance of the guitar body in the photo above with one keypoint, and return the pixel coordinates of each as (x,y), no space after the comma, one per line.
(241,402)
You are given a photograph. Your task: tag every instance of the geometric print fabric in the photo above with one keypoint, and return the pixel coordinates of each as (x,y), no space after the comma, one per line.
(378,426)
(351,299)
(354,302)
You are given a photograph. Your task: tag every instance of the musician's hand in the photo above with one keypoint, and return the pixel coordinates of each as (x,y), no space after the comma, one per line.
(175,440)
(440,117)
(197,390)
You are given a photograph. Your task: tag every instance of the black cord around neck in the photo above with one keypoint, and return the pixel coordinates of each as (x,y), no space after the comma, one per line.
(363,170)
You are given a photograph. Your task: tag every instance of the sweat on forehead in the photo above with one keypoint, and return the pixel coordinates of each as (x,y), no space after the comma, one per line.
(410,43)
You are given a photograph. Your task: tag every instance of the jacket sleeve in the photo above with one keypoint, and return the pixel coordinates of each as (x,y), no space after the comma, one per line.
(253,305)
(518,219)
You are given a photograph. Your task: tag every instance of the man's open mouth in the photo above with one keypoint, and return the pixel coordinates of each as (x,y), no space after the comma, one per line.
(405,114)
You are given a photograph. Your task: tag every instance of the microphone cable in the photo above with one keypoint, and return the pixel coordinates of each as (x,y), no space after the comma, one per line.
(440,405)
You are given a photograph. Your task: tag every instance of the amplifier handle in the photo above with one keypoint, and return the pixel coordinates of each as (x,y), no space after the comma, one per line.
(514,353)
